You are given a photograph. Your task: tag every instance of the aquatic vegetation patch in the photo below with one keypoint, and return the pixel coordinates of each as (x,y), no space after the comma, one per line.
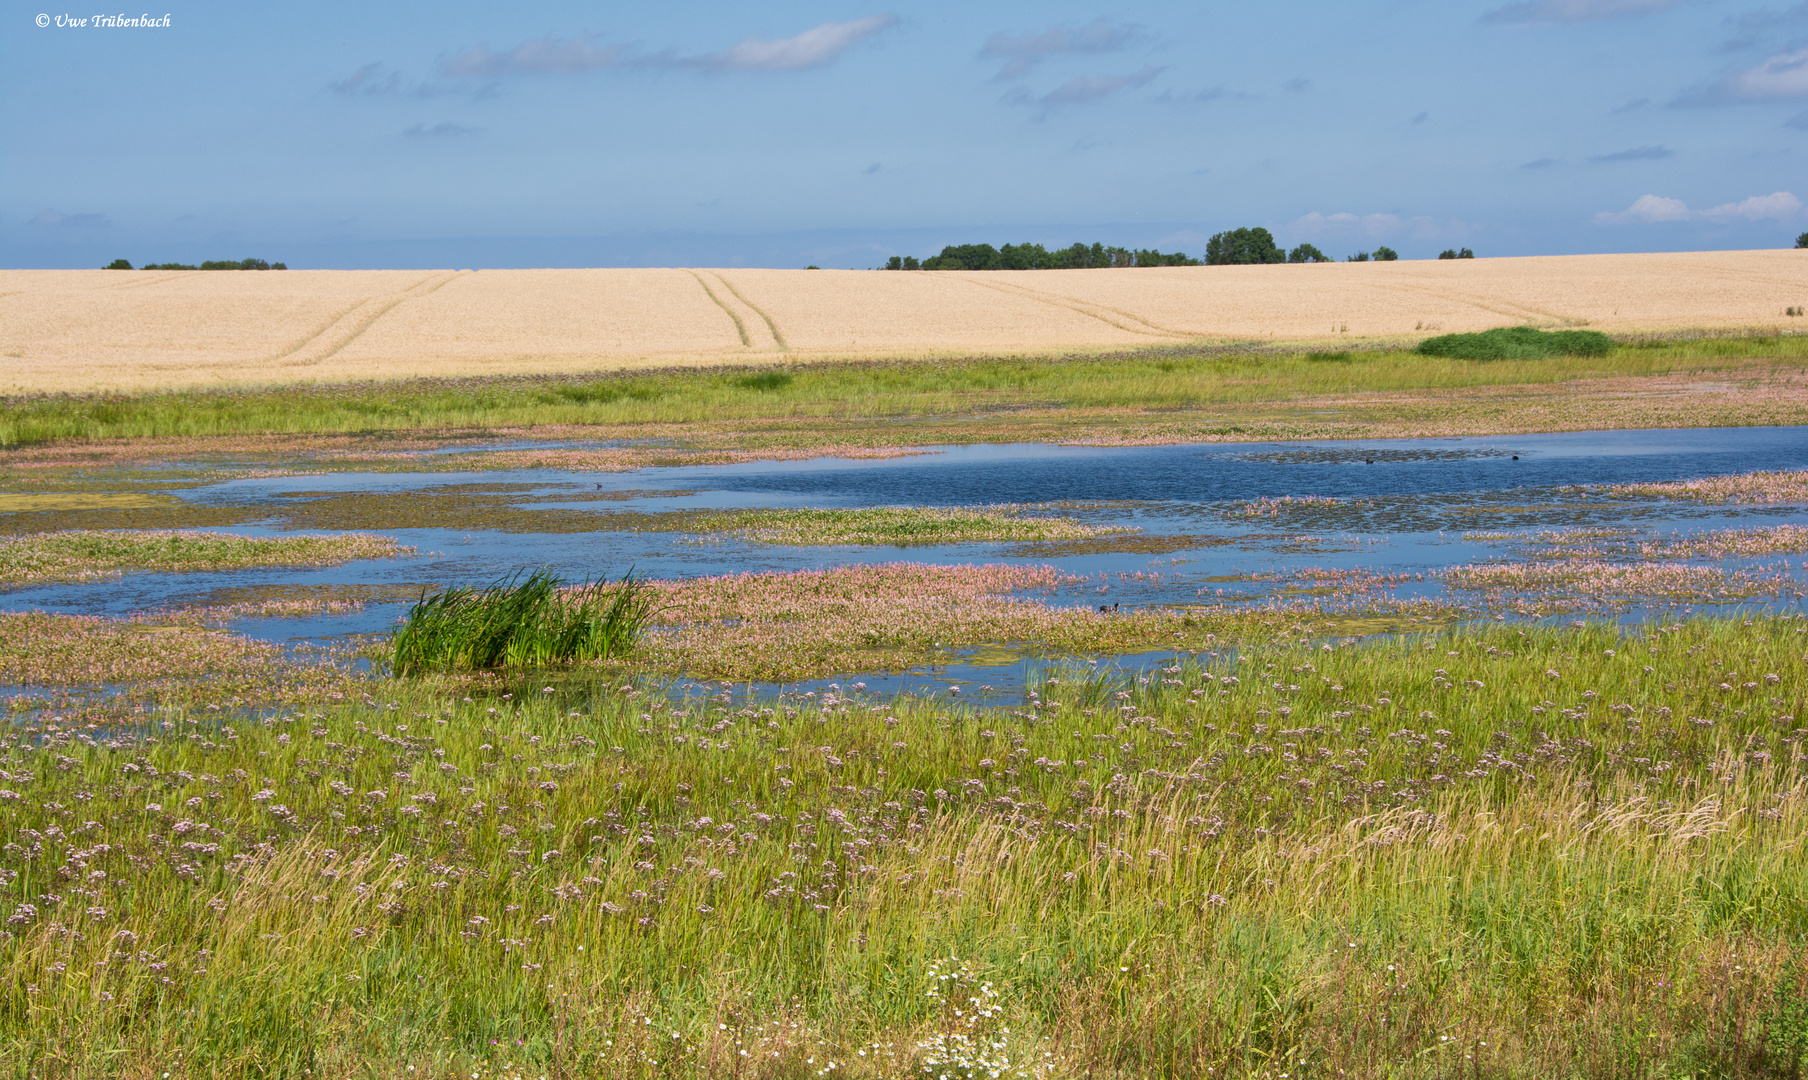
(87,555)
(1140,543)
(83,500)
(1782,486)
(1278,505)
(42,649)
(782,626)
(290,601)
(1630,581)
(896,526)
(778,627)
(522,509)
(1729,543)
(1341,581)
(177,515)
(1363,839)
(520,622)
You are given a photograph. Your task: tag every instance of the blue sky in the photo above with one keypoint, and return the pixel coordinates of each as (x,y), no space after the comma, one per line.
(840,132)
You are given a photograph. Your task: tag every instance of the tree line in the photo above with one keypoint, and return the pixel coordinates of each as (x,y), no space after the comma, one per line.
(211,264)
(1233,247)
(1037,257)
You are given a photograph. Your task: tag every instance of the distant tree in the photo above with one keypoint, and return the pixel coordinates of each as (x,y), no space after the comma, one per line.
(1036,257)
(1452,253)
(1024,257)
(1360,256)
(1147,257)
(812,266)
(894,263)
(211,264)
(1802,240)
(118,264)
(1307,253)
(965,257)
(1243,246)
(1386,254)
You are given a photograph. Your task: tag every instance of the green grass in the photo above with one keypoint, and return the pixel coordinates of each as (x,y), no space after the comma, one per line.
(518,623)
(895,526)
(1517,343)
(1498,853)
(1157,379)
(84,555)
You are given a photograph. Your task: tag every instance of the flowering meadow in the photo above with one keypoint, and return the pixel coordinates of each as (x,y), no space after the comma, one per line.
(1495,852)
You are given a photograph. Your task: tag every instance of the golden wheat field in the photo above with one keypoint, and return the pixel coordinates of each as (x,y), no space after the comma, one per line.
(98,330)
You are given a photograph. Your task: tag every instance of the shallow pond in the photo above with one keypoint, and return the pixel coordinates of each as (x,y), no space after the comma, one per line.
(1399,506)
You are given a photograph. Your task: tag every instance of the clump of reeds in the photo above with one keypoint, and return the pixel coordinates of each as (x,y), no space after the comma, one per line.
(531,622)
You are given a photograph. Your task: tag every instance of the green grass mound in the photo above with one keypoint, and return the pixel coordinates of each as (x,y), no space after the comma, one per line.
(1517,343)
(516,623)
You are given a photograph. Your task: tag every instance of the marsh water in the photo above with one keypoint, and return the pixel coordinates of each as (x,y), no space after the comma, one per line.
(1403,506)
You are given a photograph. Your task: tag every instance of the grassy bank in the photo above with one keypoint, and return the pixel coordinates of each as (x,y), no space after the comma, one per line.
(1178,378)
(1504,853)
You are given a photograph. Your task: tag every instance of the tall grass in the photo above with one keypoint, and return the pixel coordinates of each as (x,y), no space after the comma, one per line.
(1495,853)
(519,623)
(1517,343)
(1179,377)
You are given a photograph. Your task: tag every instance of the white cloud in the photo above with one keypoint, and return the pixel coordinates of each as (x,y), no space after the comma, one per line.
(1777,206)
(541,56)
(1657,209)
(810,49)
(553,55)
(1784,75)
(1574,11)
(1648,209)
(1025,50)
